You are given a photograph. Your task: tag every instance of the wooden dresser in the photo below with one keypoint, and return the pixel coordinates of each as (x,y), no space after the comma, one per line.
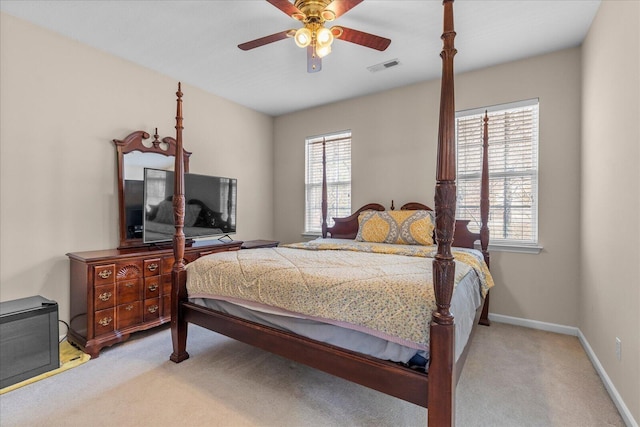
(119,291)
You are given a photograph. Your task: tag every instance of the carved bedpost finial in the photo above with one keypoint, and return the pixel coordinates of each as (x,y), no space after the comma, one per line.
(179,126)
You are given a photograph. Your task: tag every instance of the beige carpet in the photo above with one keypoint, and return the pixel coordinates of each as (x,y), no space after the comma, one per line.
(513,377)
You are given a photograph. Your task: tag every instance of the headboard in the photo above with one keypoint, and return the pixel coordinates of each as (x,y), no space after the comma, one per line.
(347,228)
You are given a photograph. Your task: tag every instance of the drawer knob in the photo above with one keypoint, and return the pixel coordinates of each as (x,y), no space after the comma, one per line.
(105,321)
(153,287)
(153,308)
(152,267)
(105,274)
(129,285)
(105,296)
(129,307)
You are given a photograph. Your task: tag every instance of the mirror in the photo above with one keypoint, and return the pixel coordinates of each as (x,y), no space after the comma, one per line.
(134,153)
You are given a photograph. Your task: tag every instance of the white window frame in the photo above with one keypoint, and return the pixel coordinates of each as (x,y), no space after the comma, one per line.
(338,180)
(497,242)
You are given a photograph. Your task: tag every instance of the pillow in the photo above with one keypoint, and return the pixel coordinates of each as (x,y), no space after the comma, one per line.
(399,227)
(191,215)
(165,212)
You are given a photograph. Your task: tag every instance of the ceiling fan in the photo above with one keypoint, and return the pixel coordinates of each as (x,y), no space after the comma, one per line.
(313,35)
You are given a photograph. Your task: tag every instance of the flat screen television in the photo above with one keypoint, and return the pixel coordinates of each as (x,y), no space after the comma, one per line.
(210,206)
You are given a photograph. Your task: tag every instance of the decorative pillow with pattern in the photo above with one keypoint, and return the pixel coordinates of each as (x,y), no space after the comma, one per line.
(398,227)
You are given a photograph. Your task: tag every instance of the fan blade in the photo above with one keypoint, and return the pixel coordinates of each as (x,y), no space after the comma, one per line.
(287,7)
(265,40)
(340,7)
(361,38)
(314,62)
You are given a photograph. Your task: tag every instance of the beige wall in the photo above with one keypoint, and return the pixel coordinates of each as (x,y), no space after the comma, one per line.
(610,256)
(62,103)
(393,154)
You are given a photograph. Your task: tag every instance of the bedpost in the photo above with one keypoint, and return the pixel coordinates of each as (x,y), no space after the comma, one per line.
(178,274)
(484,191)
(484,211)
(441,393)
(324,189)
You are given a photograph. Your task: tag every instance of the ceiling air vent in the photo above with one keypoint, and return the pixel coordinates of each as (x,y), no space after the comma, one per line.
(383,66)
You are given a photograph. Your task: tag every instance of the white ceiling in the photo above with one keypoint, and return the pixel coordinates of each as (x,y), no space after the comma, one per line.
(196,42)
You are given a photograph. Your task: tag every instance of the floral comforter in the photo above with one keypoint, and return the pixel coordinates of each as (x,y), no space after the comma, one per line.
(385,290)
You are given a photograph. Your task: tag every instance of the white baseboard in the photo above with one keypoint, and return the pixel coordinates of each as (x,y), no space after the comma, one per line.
(613,392)
(535,324)
(625,413)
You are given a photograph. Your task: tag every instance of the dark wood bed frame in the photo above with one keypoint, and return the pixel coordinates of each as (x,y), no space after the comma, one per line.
(435,390)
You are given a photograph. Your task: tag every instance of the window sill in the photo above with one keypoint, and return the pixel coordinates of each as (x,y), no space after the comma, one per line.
(522,249)
(310,235)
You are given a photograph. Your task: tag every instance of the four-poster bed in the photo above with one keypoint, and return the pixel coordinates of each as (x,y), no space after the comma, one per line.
(435,389)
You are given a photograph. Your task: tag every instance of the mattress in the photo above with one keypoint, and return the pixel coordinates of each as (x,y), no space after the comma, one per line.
(242,282)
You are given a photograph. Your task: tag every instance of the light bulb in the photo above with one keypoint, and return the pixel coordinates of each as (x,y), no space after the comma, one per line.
(303,37)
(324,37)
(323,51)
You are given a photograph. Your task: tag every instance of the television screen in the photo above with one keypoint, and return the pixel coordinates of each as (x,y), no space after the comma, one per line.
(210,206)
(134,199)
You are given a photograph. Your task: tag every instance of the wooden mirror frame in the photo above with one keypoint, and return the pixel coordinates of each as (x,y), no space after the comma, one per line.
(134,142)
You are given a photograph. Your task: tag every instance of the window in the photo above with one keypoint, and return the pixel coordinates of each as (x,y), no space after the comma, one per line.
(513,171)
(338,159)
(228,193)
(156,186)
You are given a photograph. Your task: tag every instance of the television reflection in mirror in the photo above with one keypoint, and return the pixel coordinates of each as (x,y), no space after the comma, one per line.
(210,206)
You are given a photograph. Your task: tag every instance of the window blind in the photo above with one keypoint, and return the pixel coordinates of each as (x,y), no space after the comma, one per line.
(228,193)
(513,170)
(338,158)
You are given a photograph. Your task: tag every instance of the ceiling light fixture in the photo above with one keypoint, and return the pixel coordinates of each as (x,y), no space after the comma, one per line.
(313,35)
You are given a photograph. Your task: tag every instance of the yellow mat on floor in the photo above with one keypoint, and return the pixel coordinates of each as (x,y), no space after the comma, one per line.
(70,357)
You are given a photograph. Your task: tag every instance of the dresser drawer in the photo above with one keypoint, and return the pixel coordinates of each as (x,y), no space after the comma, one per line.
(116,292)
(105,297)
(152,287)
(129,270)
(151,309)
(152,267)
(129,291)
(103,274)
(129,314)
(104,321)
